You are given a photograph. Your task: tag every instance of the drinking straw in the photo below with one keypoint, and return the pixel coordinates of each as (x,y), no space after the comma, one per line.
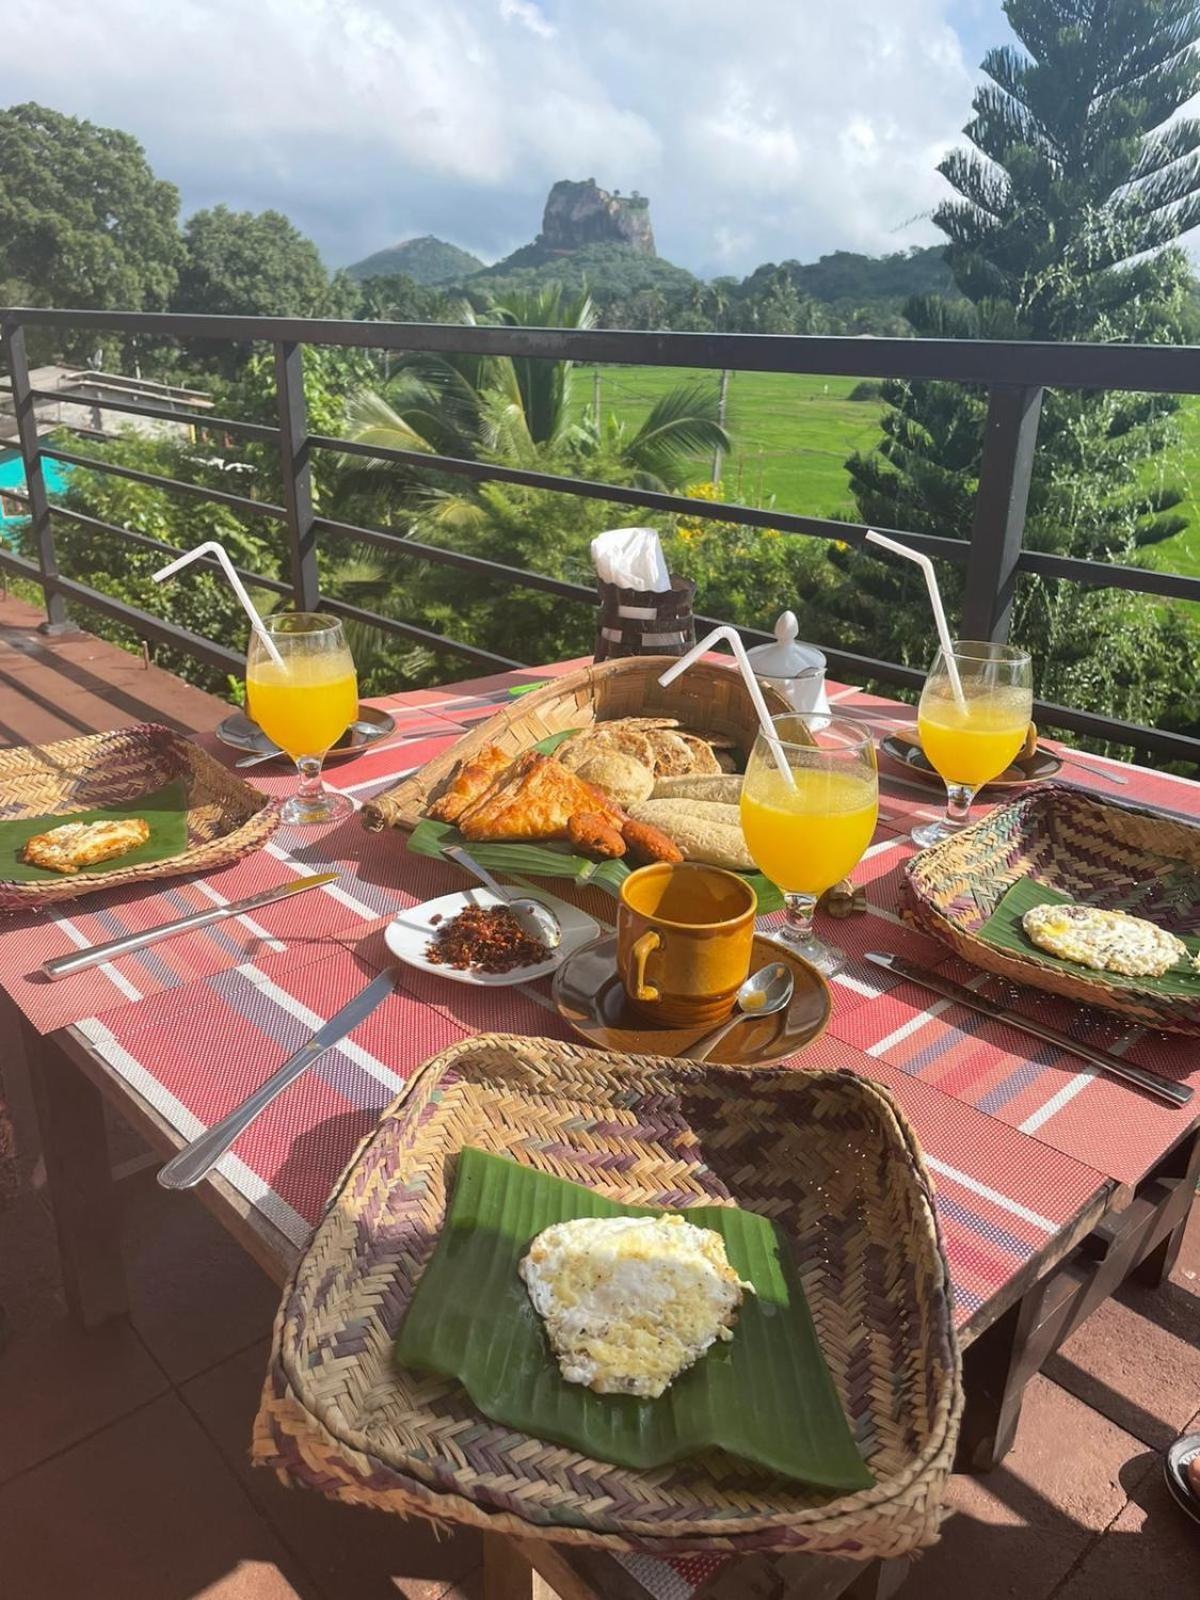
(765,724)
(210,547)
(935,600)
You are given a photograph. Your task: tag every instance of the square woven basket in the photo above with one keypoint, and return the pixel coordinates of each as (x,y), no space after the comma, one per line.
(1098,851)
(825,1154)
(226,818)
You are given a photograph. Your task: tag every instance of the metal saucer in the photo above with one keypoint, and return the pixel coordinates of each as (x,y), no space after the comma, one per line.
(239,733)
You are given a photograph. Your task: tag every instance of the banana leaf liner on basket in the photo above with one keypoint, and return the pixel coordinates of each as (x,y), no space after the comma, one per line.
(216,817)
(1091,849)
(825,1154)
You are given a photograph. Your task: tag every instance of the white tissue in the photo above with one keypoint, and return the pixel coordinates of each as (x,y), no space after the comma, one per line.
(631,558)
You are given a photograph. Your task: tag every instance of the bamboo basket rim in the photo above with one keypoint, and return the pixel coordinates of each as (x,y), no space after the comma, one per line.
(417,1109)
(245,817)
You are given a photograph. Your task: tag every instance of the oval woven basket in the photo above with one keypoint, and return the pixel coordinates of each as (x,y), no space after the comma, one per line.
(709,697)
(1098,851)
(226,817)
(825,1154)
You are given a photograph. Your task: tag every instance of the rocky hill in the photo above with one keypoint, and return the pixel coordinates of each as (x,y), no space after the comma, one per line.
(425,260)
(583,217)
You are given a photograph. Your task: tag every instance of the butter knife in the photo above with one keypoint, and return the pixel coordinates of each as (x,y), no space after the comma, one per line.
(195,1160)
(78,960)
(1175,1094)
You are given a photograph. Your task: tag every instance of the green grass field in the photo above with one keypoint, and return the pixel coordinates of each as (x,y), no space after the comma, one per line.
(792,435)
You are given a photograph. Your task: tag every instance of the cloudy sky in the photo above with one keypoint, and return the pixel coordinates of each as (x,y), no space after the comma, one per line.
(760,130)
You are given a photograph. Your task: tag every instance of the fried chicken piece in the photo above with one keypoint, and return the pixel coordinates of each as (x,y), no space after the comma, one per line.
(647,843)
(534,799)
(470,783)
(595,836)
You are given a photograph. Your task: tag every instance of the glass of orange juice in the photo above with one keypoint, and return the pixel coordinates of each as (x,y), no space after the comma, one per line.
(306,704)
(971,741)
(807,829)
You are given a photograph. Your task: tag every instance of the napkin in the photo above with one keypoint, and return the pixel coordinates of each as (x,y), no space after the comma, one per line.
(631,558)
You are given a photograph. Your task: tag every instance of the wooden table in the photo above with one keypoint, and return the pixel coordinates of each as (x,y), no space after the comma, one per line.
(1052,1185)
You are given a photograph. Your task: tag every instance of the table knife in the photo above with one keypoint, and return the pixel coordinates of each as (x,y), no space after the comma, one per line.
(64,966)
(1175,1094)
(195,1160)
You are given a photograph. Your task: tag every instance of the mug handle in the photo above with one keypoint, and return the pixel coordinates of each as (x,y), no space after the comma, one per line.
(643,948)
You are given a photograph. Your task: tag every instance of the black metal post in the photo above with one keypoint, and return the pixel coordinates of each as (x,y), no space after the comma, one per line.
(39,504)
(296,468)
(1009,441)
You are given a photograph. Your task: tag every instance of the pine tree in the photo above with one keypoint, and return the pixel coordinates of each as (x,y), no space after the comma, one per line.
(1080,179)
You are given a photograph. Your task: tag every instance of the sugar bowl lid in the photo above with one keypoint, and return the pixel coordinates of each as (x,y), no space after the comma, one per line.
(787,657)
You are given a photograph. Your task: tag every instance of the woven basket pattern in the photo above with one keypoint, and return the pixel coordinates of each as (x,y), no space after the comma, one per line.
(226,818)
(1115,856)
(709,697)
(826,1155)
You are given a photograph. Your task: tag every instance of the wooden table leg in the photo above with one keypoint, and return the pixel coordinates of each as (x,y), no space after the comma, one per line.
(70,1113)
(1156,1267)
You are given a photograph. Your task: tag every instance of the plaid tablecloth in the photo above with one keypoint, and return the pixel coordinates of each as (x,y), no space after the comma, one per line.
(1019,1138)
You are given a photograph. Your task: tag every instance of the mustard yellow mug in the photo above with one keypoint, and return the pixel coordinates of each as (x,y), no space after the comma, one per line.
(685,934)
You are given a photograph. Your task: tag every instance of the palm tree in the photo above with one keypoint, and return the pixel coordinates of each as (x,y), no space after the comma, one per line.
(518,408)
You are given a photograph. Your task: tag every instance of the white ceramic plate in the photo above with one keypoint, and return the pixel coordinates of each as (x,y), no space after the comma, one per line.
(408,936)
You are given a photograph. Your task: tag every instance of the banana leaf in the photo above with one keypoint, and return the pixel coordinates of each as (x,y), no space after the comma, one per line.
(1004,931)
(555,860)
(766,1397)
(165,812)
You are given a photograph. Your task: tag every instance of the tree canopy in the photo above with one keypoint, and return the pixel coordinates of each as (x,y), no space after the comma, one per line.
(83,220)
(1080,178)
(242,263)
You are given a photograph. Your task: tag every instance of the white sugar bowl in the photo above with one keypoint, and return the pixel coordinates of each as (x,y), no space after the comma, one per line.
(796,670)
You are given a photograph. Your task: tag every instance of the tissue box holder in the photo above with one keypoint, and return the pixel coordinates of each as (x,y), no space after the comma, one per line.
(637,622)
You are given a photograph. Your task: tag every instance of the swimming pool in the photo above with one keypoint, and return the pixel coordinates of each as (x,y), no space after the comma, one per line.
(12,476)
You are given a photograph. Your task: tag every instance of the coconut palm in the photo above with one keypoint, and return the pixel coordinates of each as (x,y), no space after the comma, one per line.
(519,408)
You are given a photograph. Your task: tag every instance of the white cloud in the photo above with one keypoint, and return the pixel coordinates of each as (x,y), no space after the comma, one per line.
(768,129)
(524,12)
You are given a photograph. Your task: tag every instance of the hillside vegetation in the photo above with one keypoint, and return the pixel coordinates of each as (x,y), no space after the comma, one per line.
(424,260)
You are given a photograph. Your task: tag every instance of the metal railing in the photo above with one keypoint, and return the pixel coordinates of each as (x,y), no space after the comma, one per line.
(1014,375)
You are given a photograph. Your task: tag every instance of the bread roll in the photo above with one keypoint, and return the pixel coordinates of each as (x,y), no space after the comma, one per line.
(726,789)
(708,832)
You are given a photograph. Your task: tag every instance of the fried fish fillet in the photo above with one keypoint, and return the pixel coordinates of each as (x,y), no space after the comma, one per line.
(73,845)
(534,799)
(470,782)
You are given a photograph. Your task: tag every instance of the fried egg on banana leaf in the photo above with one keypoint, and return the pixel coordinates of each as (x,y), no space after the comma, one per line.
(629,1303)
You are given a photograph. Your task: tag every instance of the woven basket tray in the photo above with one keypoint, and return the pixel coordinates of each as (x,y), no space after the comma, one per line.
(226,818)
(825,1154)
(1111,855)
(709,697)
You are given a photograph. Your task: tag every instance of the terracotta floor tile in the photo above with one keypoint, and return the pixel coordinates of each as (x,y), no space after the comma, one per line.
(145,1510)
(348,1550)
(1020,1530)
(1137,1357)
(58,1385)
(1152,1550)
(195,1296)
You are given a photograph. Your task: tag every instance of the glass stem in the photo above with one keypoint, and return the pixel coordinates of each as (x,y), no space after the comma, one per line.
(800,908)
(311,787)
(958,804)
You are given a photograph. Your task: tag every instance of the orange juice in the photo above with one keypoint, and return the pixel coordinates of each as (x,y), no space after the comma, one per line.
(306,706)
(973,742)
(808,837)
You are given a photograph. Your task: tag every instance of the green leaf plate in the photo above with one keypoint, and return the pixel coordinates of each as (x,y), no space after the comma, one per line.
(1003,930)
(165,810)
(767,1397)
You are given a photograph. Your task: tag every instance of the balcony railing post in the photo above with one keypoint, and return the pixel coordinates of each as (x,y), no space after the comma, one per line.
(296,469)
(1009,441)
(39,503)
